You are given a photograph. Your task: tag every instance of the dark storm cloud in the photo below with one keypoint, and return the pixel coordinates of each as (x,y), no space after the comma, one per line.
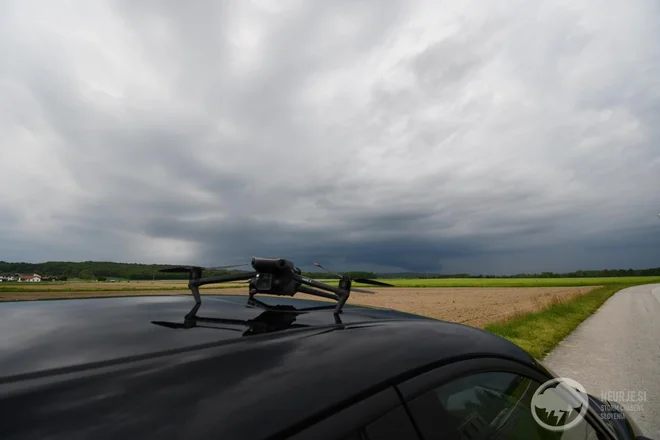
(409,136)
(248,237)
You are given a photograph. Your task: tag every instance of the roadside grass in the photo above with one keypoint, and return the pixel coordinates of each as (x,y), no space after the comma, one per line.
(540,332)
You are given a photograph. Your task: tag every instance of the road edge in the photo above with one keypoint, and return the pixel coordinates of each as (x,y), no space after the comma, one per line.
(540,332)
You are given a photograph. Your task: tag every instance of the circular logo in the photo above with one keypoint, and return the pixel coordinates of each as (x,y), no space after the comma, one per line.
(559,404)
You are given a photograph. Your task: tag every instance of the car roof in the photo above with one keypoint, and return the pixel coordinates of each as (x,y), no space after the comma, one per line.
(58,344)
(40,335)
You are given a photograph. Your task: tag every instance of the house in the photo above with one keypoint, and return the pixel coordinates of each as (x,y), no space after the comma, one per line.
(8,277)
(35,278)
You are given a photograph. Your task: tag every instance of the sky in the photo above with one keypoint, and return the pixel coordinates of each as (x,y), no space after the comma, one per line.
(439,136)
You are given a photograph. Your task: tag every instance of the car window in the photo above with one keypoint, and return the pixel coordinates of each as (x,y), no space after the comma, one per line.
(491,405)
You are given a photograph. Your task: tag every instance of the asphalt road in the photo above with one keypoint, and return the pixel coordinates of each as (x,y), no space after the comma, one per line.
(616,353)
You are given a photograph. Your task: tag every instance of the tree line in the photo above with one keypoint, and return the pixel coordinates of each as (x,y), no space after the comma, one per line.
(89,270)
(103,270)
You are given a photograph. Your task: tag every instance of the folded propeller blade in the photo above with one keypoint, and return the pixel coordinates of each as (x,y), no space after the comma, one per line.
(357,280)
(226,267)
(180,269)
(329,271)
(372,282)
(184,269)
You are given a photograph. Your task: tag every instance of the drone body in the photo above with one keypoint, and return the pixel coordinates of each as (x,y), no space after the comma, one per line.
(277,276)
(274,277)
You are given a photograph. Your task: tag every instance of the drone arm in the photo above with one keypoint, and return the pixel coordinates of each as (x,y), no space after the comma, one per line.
(340,294)
(319,285)
(221,279)
(311,291)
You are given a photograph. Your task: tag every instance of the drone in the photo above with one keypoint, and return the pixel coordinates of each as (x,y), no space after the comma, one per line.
(277,276)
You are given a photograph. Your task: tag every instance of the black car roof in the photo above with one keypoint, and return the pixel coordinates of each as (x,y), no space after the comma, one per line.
(225,375)
(38,335)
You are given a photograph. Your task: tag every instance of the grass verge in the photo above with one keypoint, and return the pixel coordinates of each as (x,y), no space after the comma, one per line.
(540,332)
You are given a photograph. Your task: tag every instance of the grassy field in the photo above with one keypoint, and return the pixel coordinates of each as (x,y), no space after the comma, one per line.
(540,332)
(520,282)
(135,286)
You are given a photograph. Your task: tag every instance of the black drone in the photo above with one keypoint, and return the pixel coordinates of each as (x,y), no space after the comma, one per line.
(277,276)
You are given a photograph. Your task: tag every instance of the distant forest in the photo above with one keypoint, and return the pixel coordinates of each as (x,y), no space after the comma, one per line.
(90,270)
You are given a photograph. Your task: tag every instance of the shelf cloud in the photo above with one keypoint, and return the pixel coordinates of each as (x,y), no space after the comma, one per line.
(455,136)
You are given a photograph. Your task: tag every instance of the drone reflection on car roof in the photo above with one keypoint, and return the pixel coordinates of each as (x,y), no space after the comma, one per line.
(274,318)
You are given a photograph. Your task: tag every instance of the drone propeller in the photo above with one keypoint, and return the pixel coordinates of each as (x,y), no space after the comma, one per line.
(226,267)
(179,269)
(372,282)
(190,269)
(357,280)
(329,271)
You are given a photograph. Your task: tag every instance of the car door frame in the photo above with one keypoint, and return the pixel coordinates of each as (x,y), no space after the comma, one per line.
(429,380)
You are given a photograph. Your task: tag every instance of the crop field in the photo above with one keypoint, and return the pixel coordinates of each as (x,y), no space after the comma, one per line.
(520,282)
(476,306)
(535,313)
(139,286)
(473,301)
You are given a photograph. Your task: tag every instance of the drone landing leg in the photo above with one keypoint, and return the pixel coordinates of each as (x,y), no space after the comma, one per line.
(195,292)
(192,314)
(341,302)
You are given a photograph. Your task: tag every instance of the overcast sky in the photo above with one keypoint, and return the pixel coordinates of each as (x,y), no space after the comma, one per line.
(456,136)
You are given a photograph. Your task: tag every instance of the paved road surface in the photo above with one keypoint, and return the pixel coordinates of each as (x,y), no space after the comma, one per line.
(618,350)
